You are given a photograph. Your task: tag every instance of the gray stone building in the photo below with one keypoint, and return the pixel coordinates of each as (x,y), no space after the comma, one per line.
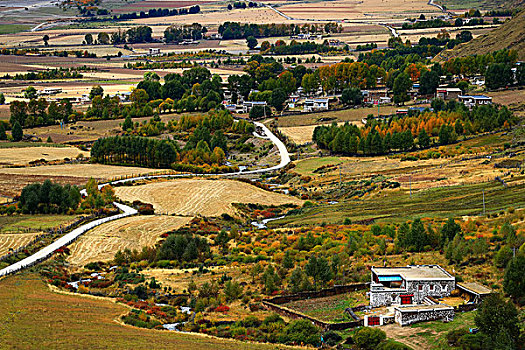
(409,285)
(406,315)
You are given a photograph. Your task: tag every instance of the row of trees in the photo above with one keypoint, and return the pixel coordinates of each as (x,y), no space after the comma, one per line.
(39,112)
(381,137)
(152,13)
(236,30)
(178,33)
(49,198)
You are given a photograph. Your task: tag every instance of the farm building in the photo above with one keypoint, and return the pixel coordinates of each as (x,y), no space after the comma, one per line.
(473,292)
(475,100)
(409,285)
(448,93)
(315,104)
(248,105)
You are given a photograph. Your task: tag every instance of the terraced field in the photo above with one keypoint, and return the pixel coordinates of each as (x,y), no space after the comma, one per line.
(200,197)
(14,241)
(133,232)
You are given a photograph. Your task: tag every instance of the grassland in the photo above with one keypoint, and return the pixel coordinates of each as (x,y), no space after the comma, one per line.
(34,223)
(34,317)
(101,243)
(392,205)
(200,197)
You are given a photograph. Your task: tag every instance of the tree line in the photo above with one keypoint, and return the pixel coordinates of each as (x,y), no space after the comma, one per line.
(49,198)
(236,30)
(445,125)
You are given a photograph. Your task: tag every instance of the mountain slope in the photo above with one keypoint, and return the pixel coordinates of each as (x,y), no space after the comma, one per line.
(510,35)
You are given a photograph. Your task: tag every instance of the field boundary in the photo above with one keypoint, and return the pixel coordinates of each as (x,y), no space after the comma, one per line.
(275,304)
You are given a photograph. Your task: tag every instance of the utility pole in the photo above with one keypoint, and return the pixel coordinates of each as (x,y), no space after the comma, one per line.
(410,181)
(483,202)
(340,181)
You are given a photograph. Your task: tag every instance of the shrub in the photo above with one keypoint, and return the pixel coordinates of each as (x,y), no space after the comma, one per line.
(369,338)
(300,331)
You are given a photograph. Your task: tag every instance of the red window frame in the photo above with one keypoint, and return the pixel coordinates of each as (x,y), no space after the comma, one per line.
(406,299)
(374,321)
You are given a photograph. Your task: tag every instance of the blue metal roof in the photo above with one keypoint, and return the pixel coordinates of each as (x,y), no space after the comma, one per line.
(389,278)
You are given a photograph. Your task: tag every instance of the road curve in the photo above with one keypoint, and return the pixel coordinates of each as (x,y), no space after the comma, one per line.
(128,211)
(283,152)
(65,240)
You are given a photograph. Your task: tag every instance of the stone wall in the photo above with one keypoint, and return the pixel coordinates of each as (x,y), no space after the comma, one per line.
(405,318)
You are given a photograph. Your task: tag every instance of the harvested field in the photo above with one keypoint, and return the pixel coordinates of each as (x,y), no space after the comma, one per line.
(34,317)
(14,241)
(22,156)
(303,134)
(101,243)
(11,185)
(33,223)
(200,197)
(97,171)
(148,4)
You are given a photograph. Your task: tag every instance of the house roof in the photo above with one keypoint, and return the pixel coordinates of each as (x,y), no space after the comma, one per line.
(477,97)
(475,288)
(415,272)
(449,89)
(416,308)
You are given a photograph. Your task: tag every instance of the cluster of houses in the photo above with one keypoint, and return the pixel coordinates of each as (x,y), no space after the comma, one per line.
(416,293)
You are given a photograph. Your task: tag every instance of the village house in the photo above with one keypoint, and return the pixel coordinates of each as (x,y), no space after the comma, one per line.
(316,104)
(448,93)
(379,96)
(409,285)
(248,105)
(475,100)
(153,51)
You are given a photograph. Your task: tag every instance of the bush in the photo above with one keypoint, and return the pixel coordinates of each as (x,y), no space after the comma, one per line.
(454,335)
(300,331)
(369,338)
(332,338)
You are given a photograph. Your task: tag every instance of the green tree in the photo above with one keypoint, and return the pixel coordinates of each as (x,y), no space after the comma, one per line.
(128,124)
(88,38)
(498,321)
(514,278)
(368,338)
(310,83)
(401,85)
(288,261)
(232,290)
(96,90)
(449,230)
(103,38)
(428,82)
(3,135)
(352,96)
(45,39)
(17,132)
(503,256)
(423,139)
(251,42)
(318,269)
(30,93)
(2,98)
(278,99)
(300,332)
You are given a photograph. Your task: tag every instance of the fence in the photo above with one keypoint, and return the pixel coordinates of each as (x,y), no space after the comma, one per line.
(275,304)
(65,240)
(54,231)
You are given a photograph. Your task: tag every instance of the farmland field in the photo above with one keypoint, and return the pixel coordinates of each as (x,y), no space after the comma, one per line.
(14,240)
(101,243)
(22,156)
(33,317)
(33,223)
(200,197)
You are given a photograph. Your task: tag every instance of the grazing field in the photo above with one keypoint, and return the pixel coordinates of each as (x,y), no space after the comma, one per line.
(34,317)
(11,185)
(200,197)
(14,241)
(101,243)
(33,223)
(330,308)
(22,156)
(351,115)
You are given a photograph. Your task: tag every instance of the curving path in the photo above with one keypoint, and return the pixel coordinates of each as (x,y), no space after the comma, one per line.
(128,211)
(65,240)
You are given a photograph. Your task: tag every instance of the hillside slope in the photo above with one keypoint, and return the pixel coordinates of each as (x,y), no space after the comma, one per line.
(510,35)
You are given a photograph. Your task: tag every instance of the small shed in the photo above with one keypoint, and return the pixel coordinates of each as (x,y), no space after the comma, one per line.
(475,292)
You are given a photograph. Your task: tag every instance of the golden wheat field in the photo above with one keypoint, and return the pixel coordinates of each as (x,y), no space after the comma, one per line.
(97,171)
(135,232)
(14,241)
(22,156)
(200,197)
